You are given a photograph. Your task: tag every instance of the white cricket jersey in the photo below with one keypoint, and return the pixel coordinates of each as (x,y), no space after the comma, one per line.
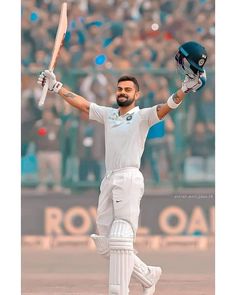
(124,135)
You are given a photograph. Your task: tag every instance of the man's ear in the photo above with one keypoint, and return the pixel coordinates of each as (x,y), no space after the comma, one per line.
(137,95)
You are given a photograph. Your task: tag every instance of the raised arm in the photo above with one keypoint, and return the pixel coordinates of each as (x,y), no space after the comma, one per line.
(73,99)
(188,85)
(165,108)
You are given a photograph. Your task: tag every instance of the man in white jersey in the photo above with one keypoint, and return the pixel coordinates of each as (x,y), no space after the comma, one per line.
(122,188)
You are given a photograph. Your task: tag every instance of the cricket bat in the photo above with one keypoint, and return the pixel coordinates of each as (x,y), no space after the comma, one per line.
(61,31)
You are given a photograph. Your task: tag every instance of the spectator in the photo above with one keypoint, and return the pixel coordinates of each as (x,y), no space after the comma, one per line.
(46,136)
(90,150)
(207,106)
(199,141)
(69,149)
(29,112)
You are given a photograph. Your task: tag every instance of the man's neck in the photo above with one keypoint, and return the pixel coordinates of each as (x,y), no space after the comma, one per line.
(124,110)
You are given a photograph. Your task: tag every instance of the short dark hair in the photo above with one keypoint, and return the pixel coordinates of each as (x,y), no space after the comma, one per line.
(129,78)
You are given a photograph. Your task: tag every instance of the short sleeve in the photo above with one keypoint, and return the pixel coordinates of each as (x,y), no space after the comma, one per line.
(150,115)
(97,113)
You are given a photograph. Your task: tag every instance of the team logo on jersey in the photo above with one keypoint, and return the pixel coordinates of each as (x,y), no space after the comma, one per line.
(129,118)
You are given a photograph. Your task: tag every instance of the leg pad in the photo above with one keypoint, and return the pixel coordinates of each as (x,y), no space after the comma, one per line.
(121,257)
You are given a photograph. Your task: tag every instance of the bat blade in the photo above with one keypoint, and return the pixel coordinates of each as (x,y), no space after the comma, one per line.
(61,31)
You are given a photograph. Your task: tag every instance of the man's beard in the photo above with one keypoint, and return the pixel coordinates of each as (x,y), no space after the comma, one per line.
(126,102)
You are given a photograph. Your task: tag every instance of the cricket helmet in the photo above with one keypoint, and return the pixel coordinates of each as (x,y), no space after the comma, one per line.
(191,58)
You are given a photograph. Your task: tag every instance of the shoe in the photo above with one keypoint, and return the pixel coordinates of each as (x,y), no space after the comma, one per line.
(155,274)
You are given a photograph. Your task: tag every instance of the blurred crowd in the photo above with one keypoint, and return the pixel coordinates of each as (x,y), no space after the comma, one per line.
(104,40)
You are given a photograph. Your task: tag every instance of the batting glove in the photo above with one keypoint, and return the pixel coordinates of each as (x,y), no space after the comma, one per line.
(53,84)
(193,84)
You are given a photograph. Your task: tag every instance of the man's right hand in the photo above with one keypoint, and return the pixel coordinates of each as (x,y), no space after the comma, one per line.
(53,84)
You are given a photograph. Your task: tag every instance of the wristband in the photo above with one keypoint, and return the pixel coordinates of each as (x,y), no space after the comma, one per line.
(171,104)
(57,87)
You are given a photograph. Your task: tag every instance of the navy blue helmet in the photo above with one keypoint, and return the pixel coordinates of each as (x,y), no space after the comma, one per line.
(191,58)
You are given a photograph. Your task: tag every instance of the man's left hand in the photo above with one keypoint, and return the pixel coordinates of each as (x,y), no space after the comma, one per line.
(193,84)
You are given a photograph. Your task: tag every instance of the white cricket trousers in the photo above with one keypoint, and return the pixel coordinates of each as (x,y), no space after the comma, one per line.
(120,194)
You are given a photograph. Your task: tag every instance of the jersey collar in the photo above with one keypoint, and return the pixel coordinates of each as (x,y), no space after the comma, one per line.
(130,112)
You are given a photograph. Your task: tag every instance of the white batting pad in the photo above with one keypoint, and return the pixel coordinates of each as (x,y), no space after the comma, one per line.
(102,244)
(121,257)
(141,273)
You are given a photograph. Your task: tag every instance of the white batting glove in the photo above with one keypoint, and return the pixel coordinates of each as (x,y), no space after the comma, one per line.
(53,84)
(193,84)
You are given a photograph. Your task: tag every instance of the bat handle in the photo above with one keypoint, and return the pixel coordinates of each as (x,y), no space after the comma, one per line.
(44,94)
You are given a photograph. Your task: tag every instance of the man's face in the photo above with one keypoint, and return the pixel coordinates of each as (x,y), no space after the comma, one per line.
(126,93)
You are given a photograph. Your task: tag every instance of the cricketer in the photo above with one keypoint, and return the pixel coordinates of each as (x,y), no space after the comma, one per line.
(122,188)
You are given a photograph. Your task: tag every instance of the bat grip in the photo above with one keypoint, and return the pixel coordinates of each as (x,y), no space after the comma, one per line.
(44,93)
